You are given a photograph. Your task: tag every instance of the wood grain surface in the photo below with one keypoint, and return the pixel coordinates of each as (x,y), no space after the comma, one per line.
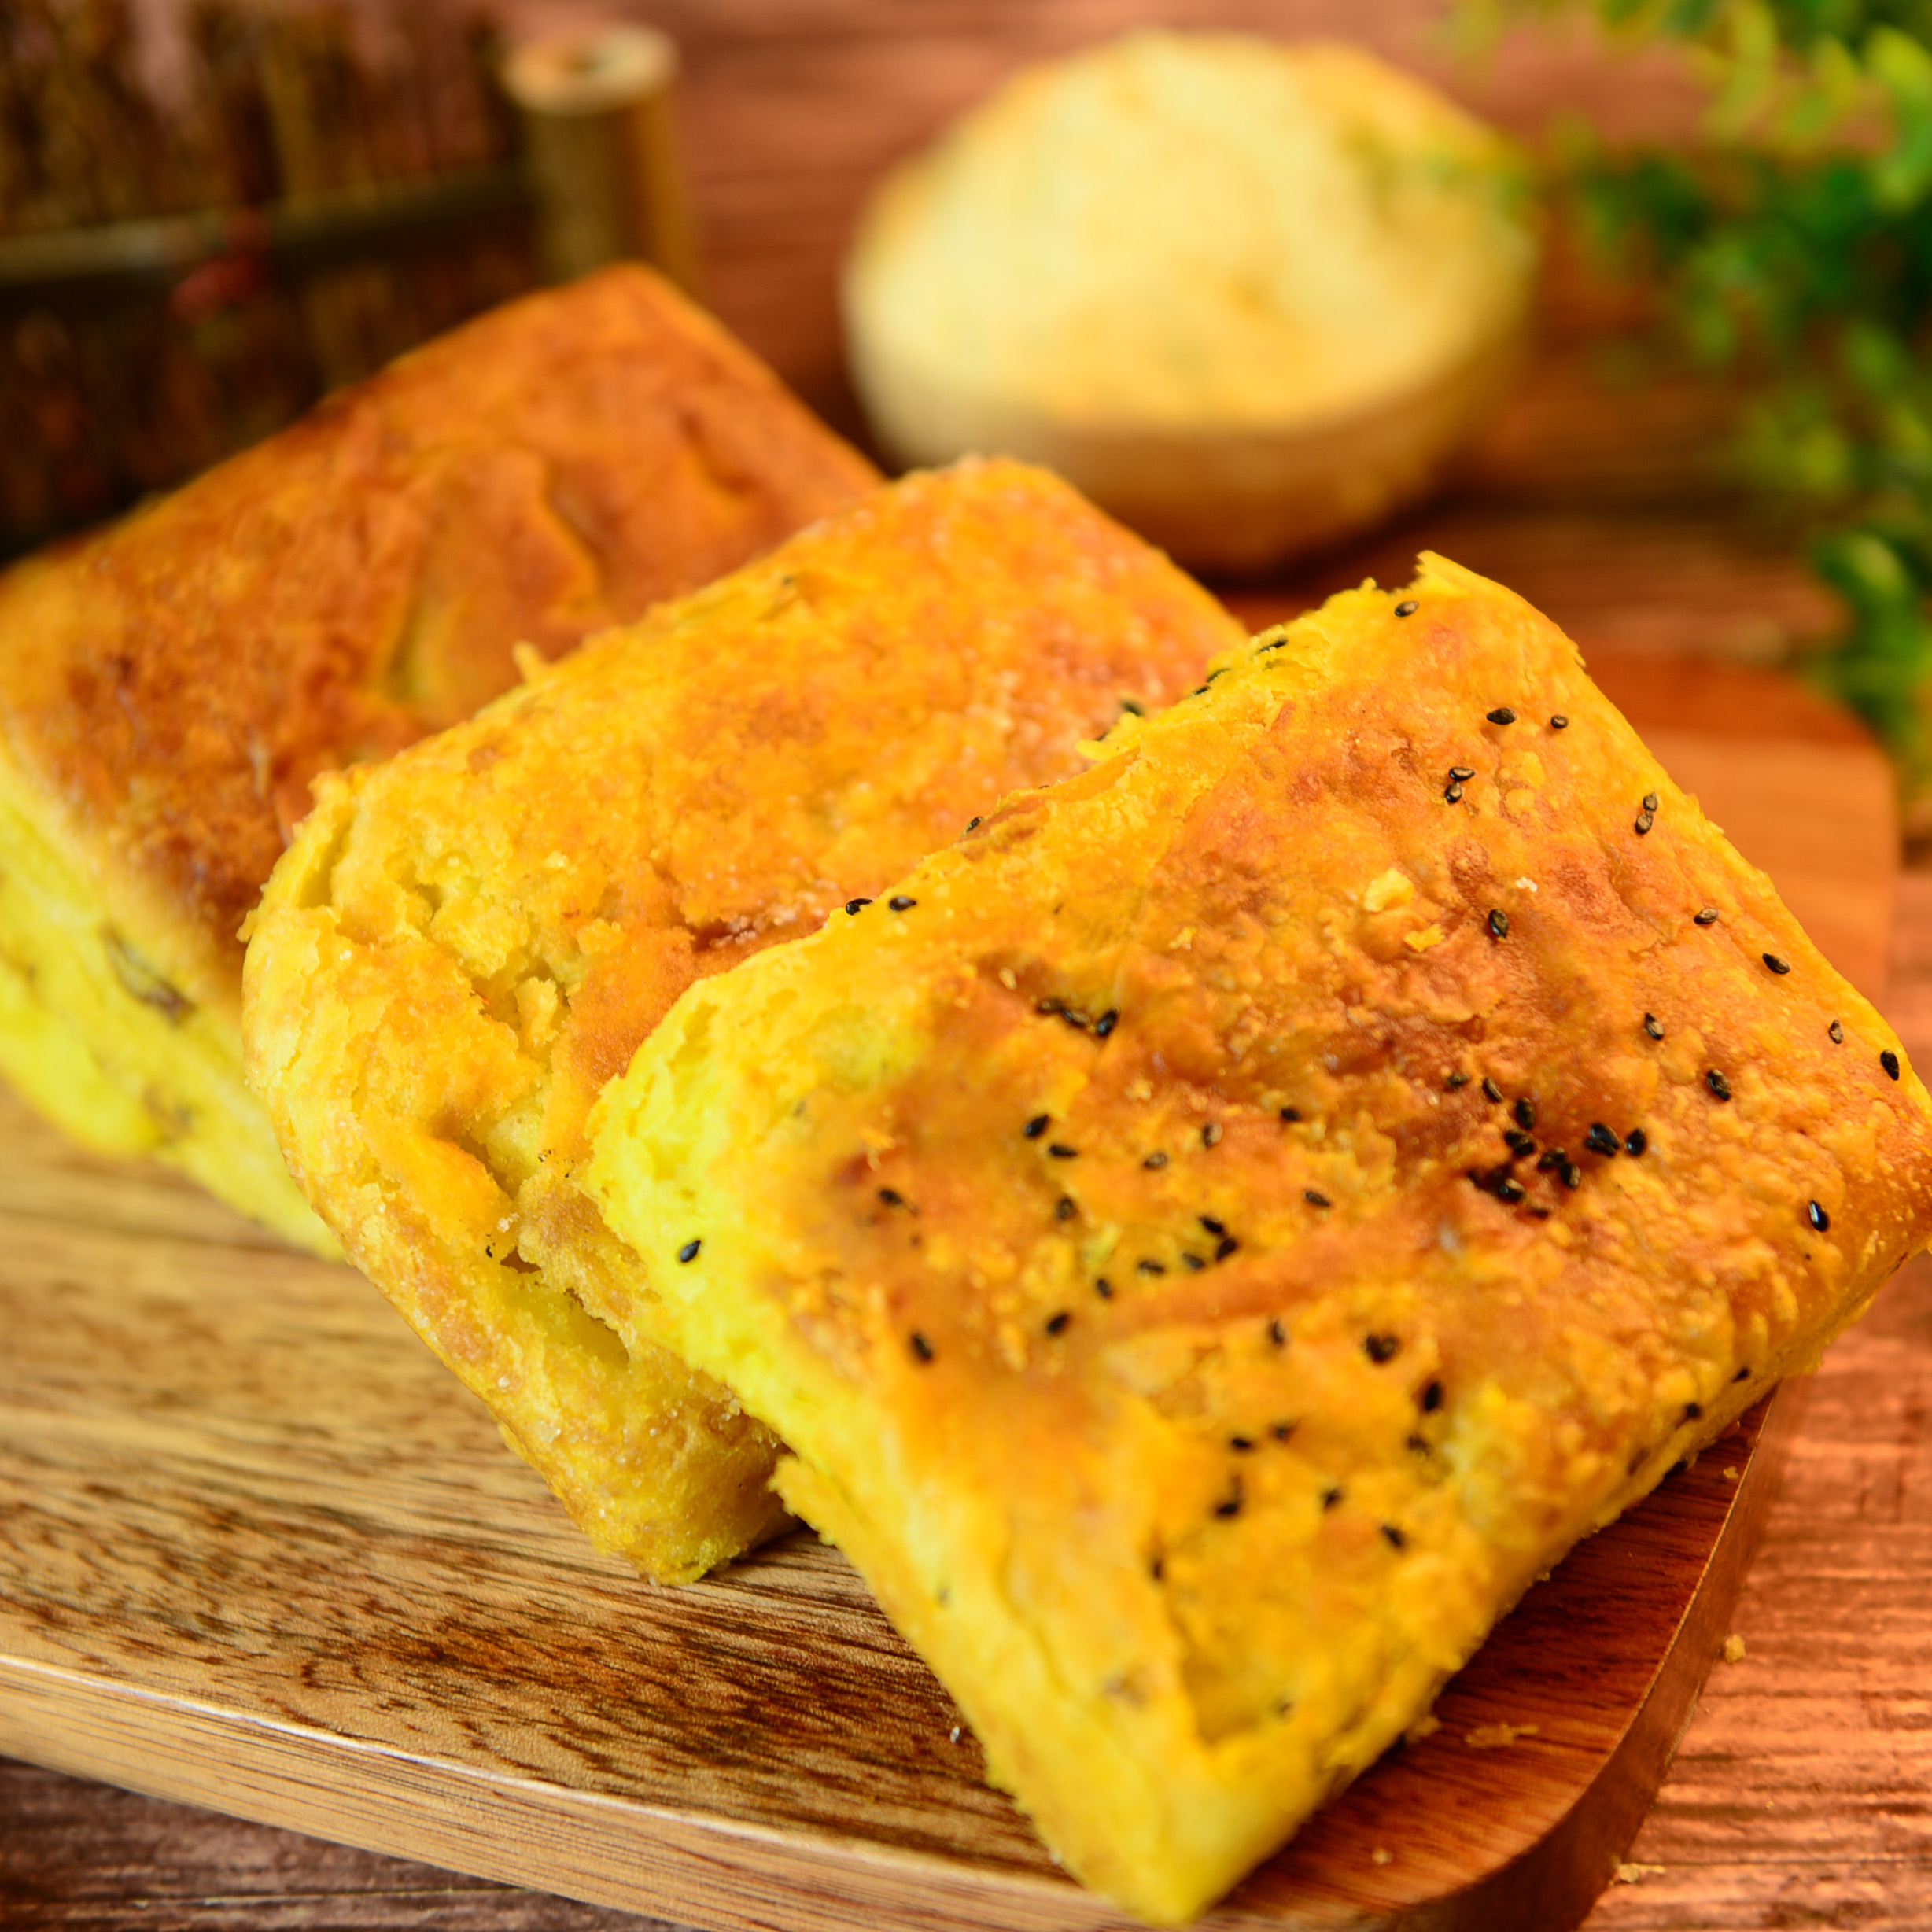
(1802,1792)
(257,1549)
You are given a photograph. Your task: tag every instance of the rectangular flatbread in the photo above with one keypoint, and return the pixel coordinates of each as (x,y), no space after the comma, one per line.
(1211,1237)
(464,944)
(169,686)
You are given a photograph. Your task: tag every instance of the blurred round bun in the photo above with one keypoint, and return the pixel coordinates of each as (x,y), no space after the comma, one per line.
(1246,296)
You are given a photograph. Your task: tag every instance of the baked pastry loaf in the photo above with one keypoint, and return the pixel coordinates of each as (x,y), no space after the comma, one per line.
(1213,1235)
(169,688)
(463,945)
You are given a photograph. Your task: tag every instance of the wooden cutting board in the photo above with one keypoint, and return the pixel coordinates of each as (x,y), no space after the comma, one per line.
(258,1552)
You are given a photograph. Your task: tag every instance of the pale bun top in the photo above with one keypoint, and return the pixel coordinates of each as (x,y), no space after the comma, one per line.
(1196,231)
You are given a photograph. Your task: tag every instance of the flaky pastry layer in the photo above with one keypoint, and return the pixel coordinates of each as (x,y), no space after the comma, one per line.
(169,688)
(464,945)
(1211,1237)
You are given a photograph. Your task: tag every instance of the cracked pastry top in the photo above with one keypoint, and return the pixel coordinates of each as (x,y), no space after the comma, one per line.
(170,687)
(1212,1235)
(464,944)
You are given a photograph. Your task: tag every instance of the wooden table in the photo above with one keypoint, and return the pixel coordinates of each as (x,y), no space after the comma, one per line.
(1802,1792)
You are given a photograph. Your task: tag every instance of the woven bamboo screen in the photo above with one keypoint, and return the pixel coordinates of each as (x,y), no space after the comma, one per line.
(117,383)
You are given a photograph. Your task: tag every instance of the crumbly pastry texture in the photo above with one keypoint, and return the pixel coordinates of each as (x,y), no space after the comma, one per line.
(1211,1236)
(169,688)
(463,945)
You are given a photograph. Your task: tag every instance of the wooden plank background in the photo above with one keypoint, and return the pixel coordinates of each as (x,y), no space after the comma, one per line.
(1802,1793)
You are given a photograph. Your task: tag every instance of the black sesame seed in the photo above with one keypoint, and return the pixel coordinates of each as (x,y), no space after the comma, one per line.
(1129,705)
(1559,723)
(973,824)
(1331,1499)
(1461,773)
(1509,1191)
(1819,1219)
(1315,1199)
(1651,1027)
(1150,1267)
(1105,1288)
(1037,1125)
(1225,1247)
(1635,1141)
(1491,1090)
(1552,1157)
(1570,1175)
(1230,1504)
(1057,1324)
(1291,1114)
(1600,1140)
(1776,964)
(1836,1033)
(1643,823)
(921,1347)
(1277,1334)
(892,1197)
(1060,1151)
(1502,715)
(1211,1225)
(1155,1160)
(1743,1374)
(1431,1398)
(689,1251)
(1050,1006)
(1889,1060)
(1281,1430)
(1240,1444)
(1106,1023)
(1452,794)
(1456,1080)
(1156,1568)
(1718,1084)
(1382,1348)
(1525,1113)
(1692,1410)
(1499,925)
(1064,1209)
(1649,800)
(1707,917)
(852,905)
(1192,1262)
(1407,608)
(1396,1539)
(900,903)
(1520,1144)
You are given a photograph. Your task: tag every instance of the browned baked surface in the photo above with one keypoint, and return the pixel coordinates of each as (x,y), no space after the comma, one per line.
(169,687)
(1215,1233)
(555,467)
(465,944)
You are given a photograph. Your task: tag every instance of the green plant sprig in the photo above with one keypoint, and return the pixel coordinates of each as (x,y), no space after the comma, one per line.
(1792,246)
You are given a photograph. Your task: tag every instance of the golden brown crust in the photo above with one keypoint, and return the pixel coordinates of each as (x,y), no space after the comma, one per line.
(462,945)
(174,683)
(1232,1226)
